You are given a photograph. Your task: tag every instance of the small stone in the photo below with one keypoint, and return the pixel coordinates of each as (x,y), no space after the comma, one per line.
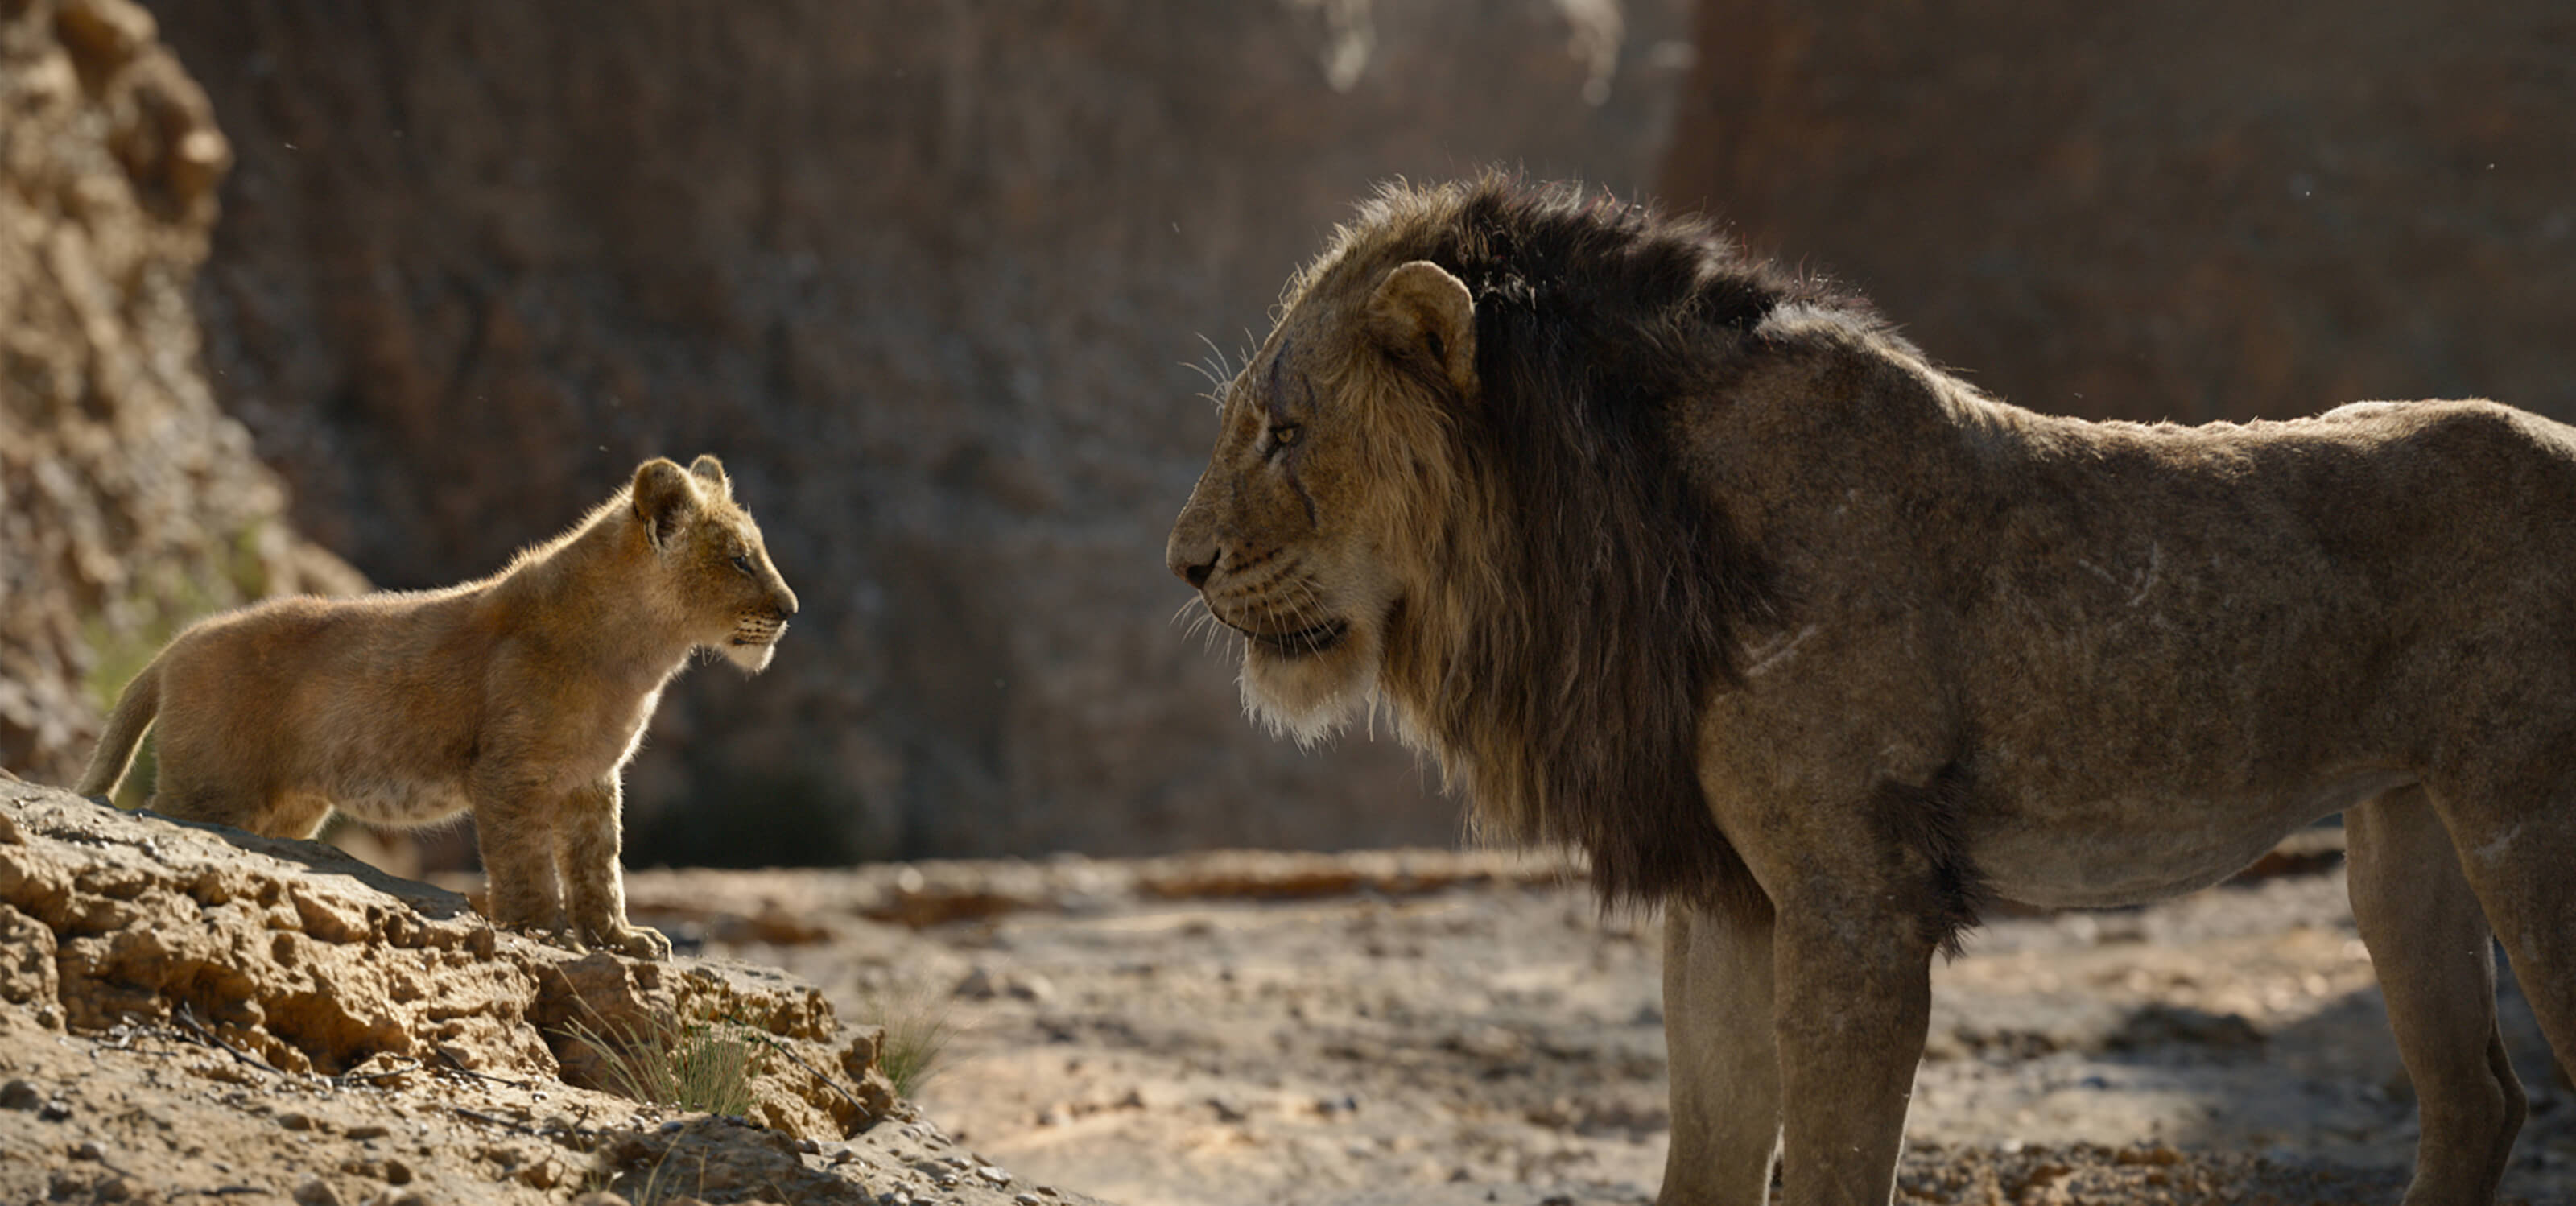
(672,1127)
(1030,986)
(20,1095)
(1028,1199)
(295,1120)
(88,1149)
(809,1147)
(54,1111)
(366,1130)
(316,1192)
(397,1173)
(993,1174)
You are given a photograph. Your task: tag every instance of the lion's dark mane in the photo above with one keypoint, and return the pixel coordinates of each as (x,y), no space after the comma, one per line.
(1597,325)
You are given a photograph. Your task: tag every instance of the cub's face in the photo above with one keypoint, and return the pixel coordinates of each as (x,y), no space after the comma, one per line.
(1330,478)
(713,561)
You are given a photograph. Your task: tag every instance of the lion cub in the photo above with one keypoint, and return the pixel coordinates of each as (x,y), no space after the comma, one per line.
(520,696)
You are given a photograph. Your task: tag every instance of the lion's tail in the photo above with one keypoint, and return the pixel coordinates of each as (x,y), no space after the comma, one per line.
(134,713)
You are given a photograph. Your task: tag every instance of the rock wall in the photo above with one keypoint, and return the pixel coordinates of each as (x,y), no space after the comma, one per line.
(2193,210)
(930,278)
(128,502)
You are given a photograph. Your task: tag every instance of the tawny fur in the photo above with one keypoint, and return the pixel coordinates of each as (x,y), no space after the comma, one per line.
(1699,568)
(520,697)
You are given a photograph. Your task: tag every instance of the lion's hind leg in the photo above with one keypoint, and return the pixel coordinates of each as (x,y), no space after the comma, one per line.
(2430,942)
(2515,842)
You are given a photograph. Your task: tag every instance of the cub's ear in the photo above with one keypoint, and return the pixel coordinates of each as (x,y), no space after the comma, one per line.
(663,499)
(711,470)
(1420,309)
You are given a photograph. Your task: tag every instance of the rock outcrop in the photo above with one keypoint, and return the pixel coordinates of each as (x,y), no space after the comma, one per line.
(128,502)
(929,280)
(312,962)
(186,1008)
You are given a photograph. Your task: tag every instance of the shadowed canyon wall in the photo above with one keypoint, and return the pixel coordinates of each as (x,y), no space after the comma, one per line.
(2193,211)
(930,278)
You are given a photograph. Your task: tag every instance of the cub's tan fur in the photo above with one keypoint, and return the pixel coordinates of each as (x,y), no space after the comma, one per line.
(1702,569)
(520,696)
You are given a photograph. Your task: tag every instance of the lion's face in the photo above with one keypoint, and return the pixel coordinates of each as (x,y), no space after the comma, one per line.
(1291,535)
(716,566)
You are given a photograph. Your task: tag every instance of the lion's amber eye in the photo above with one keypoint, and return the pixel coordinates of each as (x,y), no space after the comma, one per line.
(1285,434)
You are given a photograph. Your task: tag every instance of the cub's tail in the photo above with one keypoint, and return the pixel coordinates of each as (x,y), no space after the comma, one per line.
(134,712)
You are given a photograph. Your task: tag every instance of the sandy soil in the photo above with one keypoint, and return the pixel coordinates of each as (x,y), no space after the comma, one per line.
(1498,1041)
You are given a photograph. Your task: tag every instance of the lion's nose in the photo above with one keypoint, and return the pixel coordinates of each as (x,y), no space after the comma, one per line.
(784,606)
(1193,571)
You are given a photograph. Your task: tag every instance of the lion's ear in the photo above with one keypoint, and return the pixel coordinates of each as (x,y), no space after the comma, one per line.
(711,471)
(1422,309)
(663,499)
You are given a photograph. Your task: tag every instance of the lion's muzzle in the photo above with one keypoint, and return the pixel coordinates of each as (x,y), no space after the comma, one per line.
(1304,642)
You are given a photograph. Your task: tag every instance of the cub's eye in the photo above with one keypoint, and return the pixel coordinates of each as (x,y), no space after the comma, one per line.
(742,561)
(1283,435)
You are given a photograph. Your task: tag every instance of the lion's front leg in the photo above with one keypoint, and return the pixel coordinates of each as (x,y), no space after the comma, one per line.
(591,837)
(1853,999)
(1725,1069)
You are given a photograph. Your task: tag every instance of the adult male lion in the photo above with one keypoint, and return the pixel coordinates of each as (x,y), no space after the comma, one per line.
(1702,569)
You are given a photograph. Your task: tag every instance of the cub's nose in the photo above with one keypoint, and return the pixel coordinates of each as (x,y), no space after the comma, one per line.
(784,606)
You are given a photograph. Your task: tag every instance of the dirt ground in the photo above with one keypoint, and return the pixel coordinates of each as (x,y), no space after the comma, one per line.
(1157,1035)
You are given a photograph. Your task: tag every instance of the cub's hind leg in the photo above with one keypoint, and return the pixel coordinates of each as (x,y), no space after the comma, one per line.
(589,838)
(2430,944)
(269,814)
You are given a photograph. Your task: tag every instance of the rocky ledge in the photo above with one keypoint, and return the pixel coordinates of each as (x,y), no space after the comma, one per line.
(188,1010)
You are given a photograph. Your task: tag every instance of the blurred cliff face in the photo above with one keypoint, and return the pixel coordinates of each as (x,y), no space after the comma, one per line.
(128,501)
(2195,210)
(930,279)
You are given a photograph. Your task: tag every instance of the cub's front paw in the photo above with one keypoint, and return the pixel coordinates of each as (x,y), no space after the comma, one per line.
(634,941)
(544,931)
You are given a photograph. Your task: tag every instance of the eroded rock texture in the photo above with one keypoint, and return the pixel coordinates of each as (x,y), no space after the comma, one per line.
(312,962)
(128,502)
(929,278)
